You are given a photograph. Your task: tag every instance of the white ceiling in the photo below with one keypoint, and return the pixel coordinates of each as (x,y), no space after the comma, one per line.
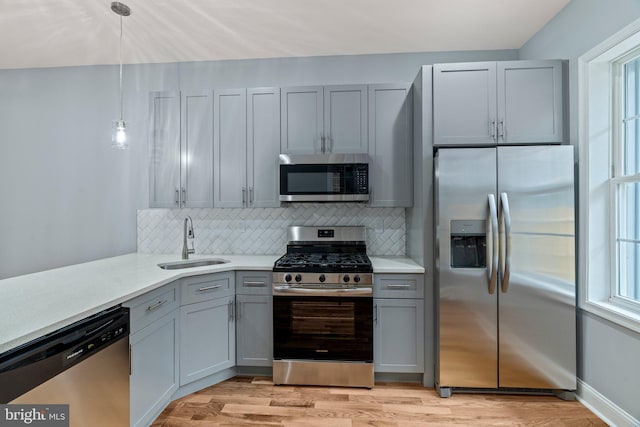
(43,33)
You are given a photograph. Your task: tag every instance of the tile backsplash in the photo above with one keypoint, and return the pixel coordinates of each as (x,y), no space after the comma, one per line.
(264,230)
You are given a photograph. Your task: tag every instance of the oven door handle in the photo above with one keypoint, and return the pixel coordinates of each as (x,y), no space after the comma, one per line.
(338,292)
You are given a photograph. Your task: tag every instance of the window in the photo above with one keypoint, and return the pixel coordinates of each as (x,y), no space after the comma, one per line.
(609,156)
(626,179)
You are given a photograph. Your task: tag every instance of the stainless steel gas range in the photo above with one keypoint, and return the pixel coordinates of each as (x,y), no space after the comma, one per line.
(323,309)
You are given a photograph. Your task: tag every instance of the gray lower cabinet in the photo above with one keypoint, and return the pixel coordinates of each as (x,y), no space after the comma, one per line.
(254,318)
(398,334)
(390,145)
(207,326)
(153,352)
(207,338)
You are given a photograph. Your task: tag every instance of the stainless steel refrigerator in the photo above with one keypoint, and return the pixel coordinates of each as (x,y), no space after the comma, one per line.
(505,261)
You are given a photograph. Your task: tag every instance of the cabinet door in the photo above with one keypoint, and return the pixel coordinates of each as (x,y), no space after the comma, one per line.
(263,147)
(464,104)
(197,151)
(398,335)
(164,162)
(230,148)
(301,119)
(254,330)
(154,368)
(345,119)
(207,338)
(390,146)
(529,102)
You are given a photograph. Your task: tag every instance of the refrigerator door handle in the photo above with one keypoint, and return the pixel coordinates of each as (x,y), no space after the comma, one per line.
(493,271)
(504,199)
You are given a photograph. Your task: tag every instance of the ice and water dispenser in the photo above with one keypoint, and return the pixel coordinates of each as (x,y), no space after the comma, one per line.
(468,244)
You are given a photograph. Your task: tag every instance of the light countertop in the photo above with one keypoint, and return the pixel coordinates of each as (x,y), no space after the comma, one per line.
(37,304)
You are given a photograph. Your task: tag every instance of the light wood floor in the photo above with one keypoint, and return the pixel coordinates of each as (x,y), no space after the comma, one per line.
(257,402)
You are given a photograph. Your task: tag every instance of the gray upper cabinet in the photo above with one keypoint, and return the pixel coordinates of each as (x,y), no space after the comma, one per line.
(301,119)
(464,100)
(345,119)
(329,119)
(489,103)
(246,147)
(181,148)
(530,102)
(263,147)
(164,145)
(230,148)
(390,145)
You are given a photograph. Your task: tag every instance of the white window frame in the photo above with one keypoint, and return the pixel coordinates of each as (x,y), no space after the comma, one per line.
(599,80)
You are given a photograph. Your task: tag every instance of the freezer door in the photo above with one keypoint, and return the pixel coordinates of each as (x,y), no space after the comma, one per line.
(537,327)
(467,318)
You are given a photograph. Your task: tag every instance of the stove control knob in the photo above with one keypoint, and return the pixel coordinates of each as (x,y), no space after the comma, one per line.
(345,279)
(356,278)
(298,277)
(322,278)
(287,278)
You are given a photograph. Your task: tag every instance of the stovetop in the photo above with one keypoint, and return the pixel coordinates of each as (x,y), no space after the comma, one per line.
(324,262)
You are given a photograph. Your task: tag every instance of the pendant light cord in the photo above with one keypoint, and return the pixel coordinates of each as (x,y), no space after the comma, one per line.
(121,113)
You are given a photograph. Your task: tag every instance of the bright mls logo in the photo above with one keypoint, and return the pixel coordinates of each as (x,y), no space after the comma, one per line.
(34,415)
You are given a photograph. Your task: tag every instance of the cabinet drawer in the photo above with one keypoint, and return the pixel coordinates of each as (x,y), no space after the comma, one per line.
(398,285)
(253,282)
(151,306)
(206,287)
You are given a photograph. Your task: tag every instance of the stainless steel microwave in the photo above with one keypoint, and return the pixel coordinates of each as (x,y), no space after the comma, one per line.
(324,178)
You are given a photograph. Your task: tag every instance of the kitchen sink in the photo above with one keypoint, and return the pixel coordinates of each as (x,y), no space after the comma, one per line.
(192,263)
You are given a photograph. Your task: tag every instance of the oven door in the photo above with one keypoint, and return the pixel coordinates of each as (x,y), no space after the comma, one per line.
(323,327)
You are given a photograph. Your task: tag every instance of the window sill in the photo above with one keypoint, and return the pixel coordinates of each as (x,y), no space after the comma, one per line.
(614,313)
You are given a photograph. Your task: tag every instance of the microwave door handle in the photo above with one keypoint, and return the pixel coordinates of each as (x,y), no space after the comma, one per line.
(492,271)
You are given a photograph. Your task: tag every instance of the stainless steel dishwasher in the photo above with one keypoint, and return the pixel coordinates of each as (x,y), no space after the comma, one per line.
(84,365)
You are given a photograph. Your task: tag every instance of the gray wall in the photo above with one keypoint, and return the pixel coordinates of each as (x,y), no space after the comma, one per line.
(607,353)
(67,197)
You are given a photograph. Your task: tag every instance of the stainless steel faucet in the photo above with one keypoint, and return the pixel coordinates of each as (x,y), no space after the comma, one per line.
(188,234)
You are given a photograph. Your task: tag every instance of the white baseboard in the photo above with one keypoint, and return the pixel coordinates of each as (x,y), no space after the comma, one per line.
(608,411)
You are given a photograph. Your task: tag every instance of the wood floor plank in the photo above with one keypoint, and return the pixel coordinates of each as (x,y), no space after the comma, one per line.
(247,402)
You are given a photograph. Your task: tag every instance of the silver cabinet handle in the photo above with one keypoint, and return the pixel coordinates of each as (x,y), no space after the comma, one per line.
(209,288)
(184,196)
(322,143)
(492,129)
(492,272)
(254,284)
(231,311)
(403,286)
(501,126)
(244,196)
(238,305)
(375,315)
(177,197)
(329,144)
(251,195)
(156,305)
(507,241)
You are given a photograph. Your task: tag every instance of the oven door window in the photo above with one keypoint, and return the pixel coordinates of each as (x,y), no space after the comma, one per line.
(323,328)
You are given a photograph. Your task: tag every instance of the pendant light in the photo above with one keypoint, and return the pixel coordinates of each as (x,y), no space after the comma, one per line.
(119,132)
